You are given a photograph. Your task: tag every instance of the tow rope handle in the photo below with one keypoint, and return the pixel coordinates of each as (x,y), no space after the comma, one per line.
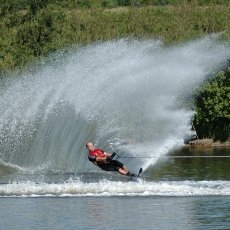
(115,155)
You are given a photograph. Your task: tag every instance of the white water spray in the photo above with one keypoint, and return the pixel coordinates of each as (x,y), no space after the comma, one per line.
(127,96)
(77,188)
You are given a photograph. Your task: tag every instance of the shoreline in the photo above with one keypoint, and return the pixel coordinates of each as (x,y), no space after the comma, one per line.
(202,143)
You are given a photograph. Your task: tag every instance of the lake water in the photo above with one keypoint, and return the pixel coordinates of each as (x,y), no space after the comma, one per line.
(148,212)
(178,192)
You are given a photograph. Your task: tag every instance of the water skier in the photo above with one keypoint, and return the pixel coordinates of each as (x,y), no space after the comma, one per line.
(105,160)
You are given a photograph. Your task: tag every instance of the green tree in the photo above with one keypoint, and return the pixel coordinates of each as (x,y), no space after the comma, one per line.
(36,5)
(35,34)
(212,117)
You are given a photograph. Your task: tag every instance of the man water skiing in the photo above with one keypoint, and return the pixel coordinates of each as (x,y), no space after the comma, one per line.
(105,160)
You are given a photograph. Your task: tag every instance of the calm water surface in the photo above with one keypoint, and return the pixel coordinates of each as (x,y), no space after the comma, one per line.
(205,212)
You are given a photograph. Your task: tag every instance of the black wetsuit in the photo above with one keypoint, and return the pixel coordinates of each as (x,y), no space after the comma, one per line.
(112,165)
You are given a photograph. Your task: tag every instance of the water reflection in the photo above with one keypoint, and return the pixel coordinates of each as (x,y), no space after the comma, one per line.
(198,167)
(211,213)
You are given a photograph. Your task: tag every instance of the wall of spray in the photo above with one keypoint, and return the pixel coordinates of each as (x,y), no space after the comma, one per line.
(128,96)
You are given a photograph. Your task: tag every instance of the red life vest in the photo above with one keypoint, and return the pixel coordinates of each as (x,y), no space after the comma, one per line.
(95,153)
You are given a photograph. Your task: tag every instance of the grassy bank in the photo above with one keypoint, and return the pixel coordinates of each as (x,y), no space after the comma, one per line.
(28,34)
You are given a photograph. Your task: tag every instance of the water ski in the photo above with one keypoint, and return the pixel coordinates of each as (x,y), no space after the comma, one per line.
(135,175)
(140,172)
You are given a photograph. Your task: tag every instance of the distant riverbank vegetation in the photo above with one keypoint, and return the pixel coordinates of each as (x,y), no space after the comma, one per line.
(32,29)
(212,117)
